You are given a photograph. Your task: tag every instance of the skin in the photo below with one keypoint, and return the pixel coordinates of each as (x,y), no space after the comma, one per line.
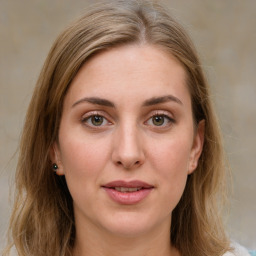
(136,139)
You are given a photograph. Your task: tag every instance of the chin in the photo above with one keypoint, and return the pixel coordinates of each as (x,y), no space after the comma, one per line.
(130,224)
(129,231)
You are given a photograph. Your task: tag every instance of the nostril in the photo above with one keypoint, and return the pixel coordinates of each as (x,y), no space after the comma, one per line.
(128,166)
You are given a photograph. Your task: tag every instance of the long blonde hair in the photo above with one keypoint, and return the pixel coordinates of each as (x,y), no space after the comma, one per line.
(42,221)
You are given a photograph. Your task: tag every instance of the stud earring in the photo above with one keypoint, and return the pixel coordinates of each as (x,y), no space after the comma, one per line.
(55,167)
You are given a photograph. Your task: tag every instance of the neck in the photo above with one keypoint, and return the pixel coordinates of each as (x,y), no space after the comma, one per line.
(91,242)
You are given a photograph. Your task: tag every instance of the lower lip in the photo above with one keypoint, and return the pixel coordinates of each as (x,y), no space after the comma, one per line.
(128,198)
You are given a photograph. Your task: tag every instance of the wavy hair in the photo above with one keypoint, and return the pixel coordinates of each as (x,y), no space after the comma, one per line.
(42,222)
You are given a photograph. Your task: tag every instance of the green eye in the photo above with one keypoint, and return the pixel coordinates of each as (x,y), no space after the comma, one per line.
(158,120)
(97,120)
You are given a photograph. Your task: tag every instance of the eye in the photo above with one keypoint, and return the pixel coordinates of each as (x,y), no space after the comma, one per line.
(95,120)
(159,120)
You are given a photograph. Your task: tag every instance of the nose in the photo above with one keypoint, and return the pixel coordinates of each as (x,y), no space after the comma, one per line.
(128,148)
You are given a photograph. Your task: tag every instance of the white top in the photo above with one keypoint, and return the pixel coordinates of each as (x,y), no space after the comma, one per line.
(238,251)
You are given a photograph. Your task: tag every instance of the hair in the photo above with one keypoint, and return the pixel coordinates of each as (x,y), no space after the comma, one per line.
(42,221)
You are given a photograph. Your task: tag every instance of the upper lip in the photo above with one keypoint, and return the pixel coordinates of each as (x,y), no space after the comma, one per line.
(128,184)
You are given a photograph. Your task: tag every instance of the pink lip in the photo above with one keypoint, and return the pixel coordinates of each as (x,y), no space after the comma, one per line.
(128,198)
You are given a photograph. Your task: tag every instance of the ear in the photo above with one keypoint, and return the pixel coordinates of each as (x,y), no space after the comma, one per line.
(197,146)
(55,158)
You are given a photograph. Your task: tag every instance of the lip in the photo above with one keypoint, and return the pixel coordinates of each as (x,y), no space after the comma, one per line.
(128,198)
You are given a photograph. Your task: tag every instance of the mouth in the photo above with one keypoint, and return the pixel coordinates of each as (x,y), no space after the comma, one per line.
(128,193)
(126,190)
(128,186)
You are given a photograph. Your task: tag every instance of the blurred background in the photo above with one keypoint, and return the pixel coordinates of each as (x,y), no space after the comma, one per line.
(224,32)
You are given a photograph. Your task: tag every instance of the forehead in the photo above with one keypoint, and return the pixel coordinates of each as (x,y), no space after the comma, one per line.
(148,57)
(130,70)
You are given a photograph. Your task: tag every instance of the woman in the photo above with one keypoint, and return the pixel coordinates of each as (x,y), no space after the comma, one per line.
(121,152)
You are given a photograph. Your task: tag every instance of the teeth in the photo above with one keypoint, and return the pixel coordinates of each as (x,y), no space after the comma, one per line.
(122,189)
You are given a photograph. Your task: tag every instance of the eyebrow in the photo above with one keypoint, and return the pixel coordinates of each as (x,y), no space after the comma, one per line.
(162,99)
(149,102)
(95,101)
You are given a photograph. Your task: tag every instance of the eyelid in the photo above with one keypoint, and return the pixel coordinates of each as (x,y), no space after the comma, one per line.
(90,114)
(163,113)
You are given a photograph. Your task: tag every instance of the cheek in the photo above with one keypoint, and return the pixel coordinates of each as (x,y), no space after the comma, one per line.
(83,161)
(83,158)
(172,157)
(171,162)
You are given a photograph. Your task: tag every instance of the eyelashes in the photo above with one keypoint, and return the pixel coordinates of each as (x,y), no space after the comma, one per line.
(98,120)
(95,120)
(160,120)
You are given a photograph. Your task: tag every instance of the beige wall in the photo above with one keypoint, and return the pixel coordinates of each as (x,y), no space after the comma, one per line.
(225,34)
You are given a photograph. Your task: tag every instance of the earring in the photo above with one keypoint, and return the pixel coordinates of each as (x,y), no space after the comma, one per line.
(55,167)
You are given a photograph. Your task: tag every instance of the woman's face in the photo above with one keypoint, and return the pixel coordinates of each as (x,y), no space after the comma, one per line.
(127,140)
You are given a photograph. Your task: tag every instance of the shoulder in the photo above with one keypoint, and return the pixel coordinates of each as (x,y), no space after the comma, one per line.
(238,250)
